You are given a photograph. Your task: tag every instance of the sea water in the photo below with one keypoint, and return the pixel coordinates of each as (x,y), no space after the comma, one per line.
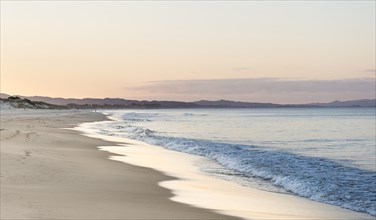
(324,154)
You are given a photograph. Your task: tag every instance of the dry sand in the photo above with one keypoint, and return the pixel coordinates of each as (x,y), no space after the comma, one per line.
(53,173)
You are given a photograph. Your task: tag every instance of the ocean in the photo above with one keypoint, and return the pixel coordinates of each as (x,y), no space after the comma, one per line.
(324,154)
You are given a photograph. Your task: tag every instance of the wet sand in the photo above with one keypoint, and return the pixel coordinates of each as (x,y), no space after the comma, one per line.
(193,186)
(52,173)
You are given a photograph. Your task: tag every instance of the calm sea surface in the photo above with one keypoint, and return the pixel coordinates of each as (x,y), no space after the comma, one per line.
(325,154)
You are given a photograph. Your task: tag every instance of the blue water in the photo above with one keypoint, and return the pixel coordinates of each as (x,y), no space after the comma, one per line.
(324,154)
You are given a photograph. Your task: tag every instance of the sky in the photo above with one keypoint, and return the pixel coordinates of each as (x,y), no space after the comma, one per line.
(265,51)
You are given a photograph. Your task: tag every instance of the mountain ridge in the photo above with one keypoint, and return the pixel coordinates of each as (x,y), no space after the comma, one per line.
(128,103)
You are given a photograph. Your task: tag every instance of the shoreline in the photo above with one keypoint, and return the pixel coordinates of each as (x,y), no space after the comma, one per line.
(199,189)
(50,172)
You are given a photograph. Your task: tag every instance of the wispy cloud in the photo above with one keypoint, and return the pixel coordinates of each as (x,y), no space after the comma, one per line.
(261,89)
(370,70)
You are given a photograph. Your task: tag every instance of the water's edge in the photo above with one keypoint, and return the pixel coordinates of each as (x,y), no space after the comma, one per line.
(192,185)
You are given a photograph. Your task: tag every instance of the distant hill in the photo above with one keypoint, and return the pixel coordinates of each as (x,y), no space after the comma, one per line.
(234,104)
(352,103)
(237,104)
(108,102)
(17,102)
(126,103)
(4,96)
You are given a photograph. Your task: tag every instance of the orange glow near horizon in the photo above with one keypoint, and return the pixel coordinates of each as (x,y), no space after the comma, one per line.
(106,49)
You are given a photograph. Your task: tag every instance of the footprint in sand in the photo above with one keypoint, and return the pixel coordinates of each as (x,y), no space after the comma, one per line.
(27,153)
(9,135)
(31,136)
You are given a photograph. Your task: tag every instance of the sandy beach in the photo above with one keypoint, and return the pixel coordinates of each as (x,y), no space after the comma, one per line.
(53,173)
(51,169)
(187,110)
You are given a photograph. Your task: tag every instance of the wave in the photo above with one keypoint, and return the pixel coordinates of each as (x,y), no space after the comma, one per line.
(315,178)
